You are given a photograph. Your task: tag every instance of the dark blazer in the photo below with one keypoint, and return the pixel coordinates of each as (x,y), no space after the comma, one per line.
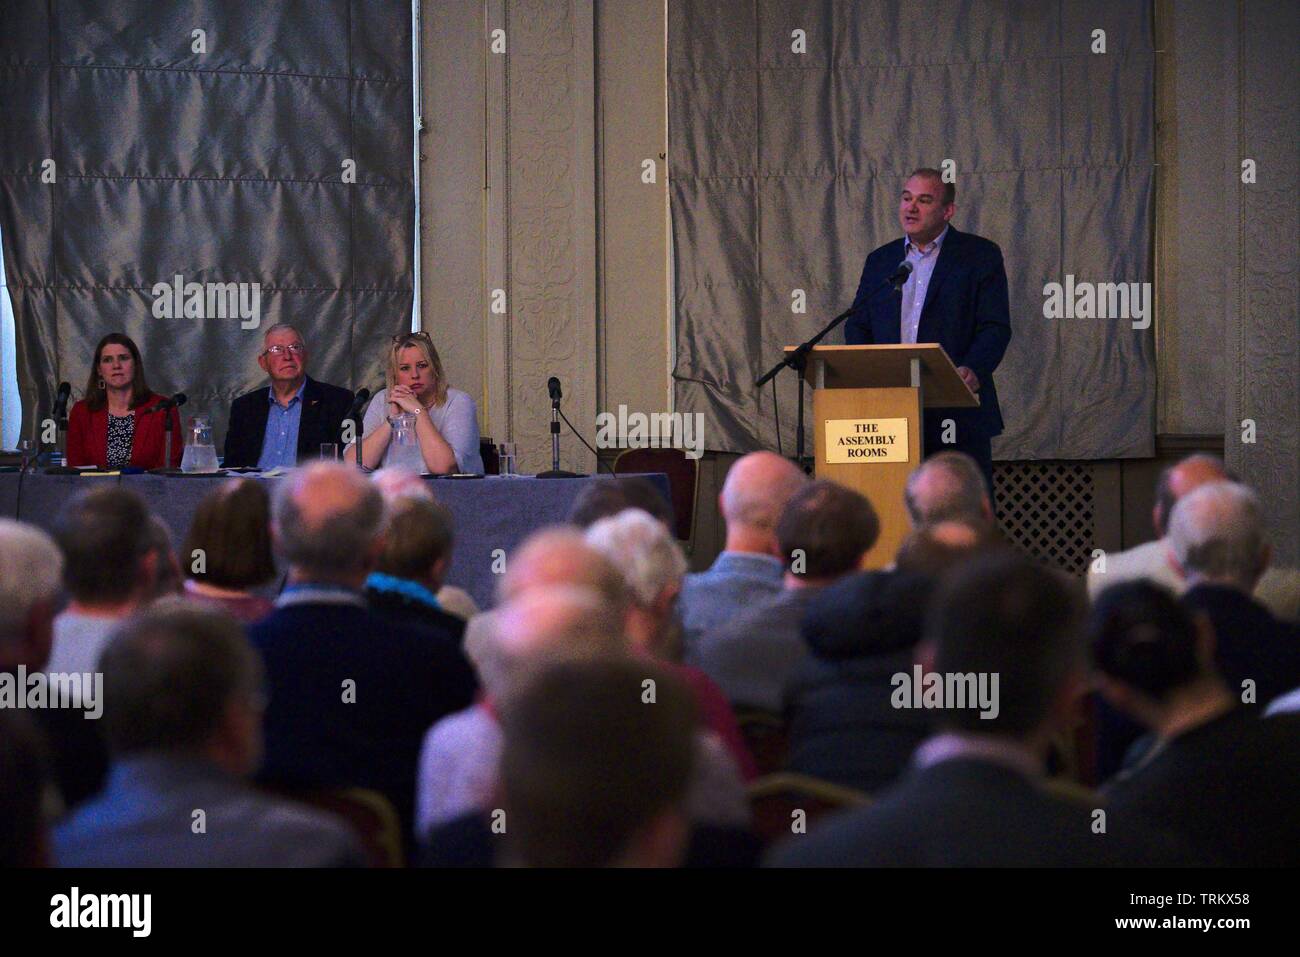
(405,677)
(1249,641)
(966,311)
(323,409)
(971,813)
(88,436)
(449,628)
(861,630)
(1227,787)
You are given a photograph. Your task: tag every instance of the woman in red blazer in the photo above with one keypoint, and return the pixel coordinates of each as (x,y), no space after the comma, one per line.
(117,424)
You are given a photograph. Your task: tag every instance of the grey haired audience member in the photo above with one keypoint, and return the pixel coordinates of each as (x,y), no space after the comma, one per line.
(948,486)
(1216,534)
(653,565)
(183,717)
(1216,540)
(327,521)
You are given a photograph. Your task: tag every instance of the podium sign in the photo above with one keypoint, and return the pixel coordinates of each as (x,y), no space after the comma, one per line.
(868,430)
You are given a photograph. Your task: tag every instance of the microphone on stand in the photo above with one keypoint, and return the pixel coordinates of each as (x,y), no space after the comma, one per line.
(900,275)
(165,406)
(61,403)
(553,389)
(354,416)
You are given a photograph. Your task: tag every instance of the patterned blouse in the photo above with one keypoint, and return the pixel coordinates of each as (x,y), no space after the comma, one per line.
(121,432)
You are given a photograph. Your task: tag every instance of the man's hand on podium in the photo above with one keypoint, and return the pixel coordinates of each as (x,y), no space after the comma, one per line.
(969,377)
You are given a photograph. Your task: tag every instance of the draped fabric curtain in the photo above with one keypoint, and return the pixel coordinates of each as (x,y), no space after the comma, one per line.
(260,150)
(792,126)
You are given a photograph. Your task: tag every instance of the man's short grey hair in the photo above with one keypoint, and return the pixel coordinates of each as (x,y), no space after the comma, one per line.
(283,327)
(31,571)
(338,545)
(643,549)
(1217,532)
(959,496)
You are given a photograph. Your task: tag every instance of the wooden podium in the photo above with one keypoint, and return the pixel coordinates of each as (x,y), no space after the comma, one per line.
(867,426)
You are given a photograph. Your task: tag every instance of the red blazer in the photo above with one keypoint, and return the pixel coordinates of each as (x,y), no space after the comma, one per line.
(88,436)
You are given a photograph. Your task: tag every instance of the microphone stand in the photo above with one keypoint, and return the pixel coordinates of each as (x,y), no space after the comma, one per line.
(556,471)
(798,361)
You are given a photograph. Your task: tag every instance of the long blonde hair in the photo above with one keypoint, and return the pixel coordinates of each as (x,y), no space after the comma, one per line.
(423,342)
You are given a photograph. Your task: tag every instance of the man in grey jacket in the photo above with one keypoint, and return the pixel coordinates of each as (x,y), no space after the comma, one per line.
(184,723)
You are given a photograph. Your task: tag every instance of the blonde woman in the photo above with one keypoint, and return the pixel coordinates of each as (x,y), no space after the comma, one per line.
(417,421)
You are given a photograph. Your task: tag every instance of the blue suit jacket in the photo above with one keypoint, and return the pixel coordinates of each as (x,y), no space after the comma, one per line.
(966,311)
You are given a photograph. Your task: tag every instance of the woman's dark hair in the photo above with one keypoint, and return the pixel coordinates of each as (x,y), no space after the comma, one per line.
(232,529)
(96,395)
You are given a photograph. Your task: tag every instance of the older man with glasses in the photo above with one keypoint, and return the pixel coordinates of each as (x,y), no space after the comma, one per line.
(291,418)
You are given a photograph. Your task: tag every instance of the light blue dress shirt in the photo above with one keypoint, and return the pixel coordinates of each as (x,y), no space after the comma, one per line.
(917,285)
(280,441)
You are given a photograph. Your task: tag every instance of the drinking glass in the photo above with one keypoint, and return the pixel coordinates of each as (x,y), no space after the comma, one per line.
(507,453)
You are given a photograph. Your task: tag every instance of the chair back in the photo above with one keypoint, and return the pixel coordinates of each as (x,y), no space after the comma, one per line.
(780,803)
(371,816)
(683,480)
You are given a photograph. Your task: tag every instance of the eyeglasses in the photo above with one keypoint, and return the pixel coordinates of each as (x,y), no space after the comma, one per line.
(406,336)
(296,349)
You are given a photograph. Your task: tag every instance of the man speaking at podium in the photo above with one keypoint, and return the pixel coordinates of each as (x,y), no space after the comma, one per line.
(955,295)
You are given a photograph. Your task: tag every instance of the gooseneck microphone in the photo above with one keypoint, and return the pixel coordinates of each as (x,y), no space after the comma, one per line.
(900,274)
(61,403)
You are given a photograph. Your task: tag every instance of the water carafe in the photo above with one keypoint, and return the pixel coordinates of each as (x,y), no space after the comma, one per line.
(200,454)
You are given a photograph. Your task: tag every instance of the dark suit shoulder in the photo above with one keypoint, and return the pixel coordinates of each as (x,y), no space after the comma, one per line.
(973,246)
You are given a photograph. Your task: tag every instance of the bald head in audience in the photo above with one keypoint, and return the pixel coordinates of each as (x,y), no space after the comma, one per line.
(753,496)
(1216,536)
(948,486)
(1182,479)
(327,522)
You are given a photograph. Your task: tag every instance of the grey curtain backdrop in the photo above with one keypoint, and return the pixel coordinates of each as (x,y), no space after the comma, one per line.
(786,168)
(225,165)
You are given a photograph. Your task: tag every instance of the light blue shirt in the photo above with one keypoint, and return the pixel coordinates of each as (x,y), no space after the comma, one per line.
(280,441)
(917,285)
